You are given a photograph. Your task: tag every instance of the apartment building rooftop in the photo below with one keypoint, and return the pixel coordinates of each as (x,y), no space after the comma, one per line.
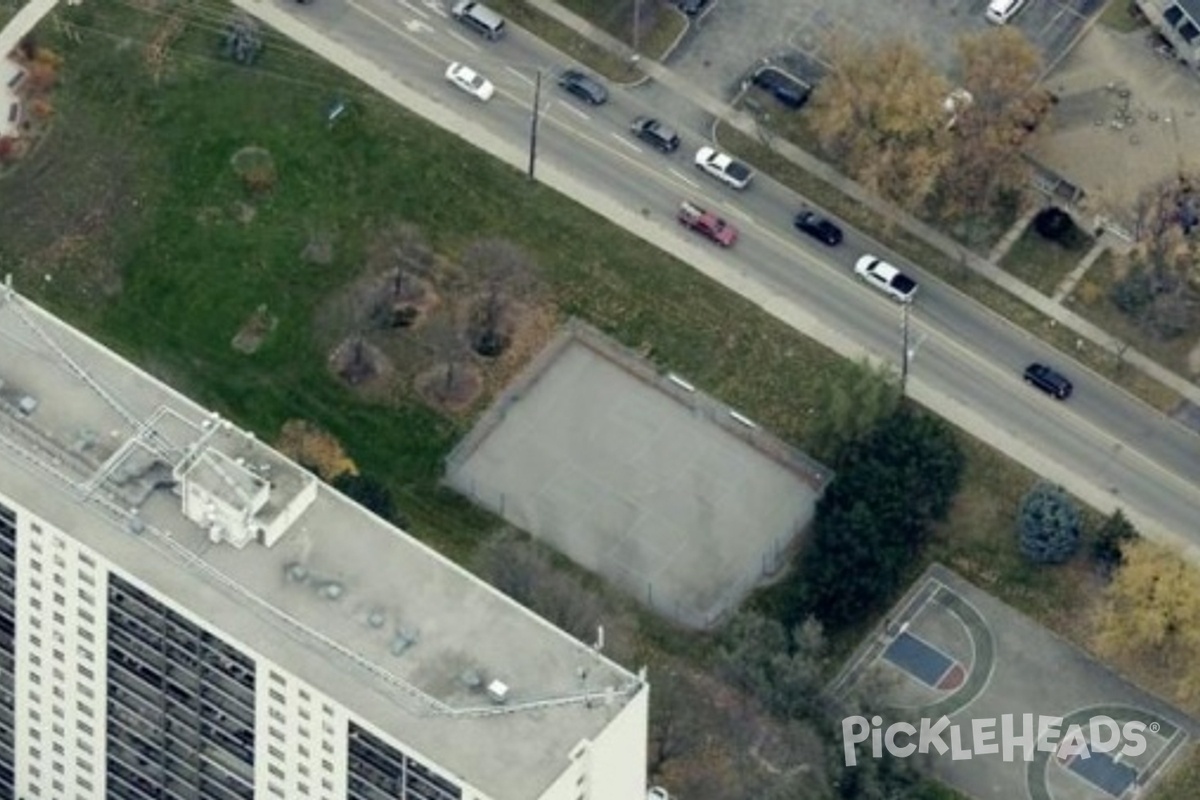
(204,514)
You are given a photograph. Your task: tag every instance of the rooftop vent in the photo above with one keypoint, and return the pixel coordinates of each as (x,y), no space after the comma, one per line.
(296,572)
(471,679)
(332,590)
(376,618)
(27,405)
(498,691)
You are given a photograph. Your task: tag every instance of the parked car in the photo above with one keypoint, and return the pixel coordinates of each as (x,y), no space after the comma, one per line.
(583,86)
(1001,11)
(656,133)
(723,167)
(788,90)
(818,227)
(706,222)
(470,81)
(691,7)
(1048,380)
(886,278)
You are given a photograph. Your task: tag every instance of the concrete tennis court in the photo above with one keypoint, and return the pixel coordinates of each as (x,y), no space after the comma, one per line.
(639,478)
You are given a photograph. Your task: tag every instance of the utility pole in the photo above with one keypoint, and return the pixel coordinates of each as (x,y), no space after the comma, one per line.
(533,125)
(637,24)
(904,356)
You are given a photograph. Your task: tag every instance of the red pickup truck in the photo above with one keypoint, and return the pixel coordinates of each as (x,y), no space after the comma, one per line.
(707,223)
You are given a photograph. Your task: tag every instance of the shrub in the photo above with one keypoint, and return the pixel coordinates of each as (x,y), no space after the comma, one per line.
(1048,525)
(1133,293)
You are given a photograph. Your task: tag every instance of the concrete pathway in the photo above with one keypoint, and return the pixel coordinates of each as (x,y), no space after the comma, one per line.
(746,124)
(1001,248)
(1072,279)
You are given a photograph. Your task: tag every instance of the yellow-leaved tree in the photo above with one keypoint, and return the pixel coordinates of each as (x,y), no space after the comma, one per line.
(880,113)
(1150,618)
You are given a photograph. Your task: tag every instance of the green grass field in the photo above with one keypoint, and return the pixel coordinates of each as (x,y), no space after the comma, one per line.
(1043,264)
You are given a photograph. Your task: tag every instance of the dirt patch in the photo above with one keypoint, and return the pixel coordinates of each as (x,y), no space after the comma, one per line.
(416,313)
(319,248)
(65,206)
(450,387)
(255,330)
(363,366)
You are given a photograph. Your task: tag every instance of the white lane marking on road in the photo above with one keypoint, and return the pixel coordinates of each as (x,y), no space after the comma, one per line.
(520,75)
(416,26)
(734,211)
(413,9)
(467,42)
(576,112)
(683,177)
(436,7)
(625,142)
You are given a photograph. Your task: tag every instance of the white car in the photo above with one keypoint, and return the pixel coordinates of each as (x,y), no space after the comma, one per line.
(470,81)
(1001,11)
(886,278)
(723,167)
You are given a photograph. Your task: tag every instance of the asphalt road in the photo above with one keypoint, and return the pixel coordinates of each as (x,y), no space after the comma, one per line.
(1143,459)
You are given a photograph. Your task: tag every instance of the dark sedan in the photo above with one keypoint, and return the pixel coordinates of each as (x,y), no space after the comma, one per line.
(818,227)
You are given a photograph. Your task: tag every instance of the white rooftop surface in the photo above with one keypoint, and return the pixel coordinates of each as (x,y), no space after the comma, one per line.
(391,583)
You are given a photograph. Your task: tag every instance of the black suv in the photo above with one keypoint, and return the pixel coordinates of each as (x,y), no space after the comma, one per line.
(655,133)
(789,91)
(583,86)
(1049,381)
(818,227)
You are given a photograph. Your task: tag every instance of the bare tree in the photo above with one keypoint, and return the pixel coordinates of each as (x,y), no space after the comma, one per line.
(508,275)
(880,114)
(994,120)
(1159,291)
(402,256)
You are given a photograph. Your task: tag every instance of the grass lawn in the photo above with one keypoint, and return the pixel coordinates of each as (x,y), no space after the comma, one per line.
(1184,782)
(945,268)
(1091,299)
(1120,16)
(1042,263)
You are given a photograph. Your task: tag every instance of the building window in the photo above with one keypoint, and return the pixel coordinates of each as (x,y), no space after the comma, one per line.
(276,771)
(277,696)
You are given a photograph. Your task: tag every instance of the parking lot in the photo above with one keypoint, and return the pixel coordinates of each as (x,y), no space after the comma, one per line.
(737,34)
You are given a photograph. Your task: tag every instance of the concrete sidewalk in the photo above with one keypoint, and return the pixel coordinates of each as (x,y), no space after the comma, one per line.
(746,124)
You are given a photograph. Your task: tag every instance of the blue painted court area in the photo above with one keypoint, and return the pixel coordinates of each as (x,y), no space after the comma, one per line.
(1110,776)
(914,656)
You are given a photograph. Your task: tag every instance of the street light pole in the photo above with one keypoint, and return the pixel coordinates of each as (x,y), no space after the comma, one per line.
(637,23)
(533,124)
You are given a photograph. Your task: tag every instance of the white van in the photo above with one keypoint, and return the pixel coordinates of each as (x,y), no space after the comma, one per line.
(1001,11)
